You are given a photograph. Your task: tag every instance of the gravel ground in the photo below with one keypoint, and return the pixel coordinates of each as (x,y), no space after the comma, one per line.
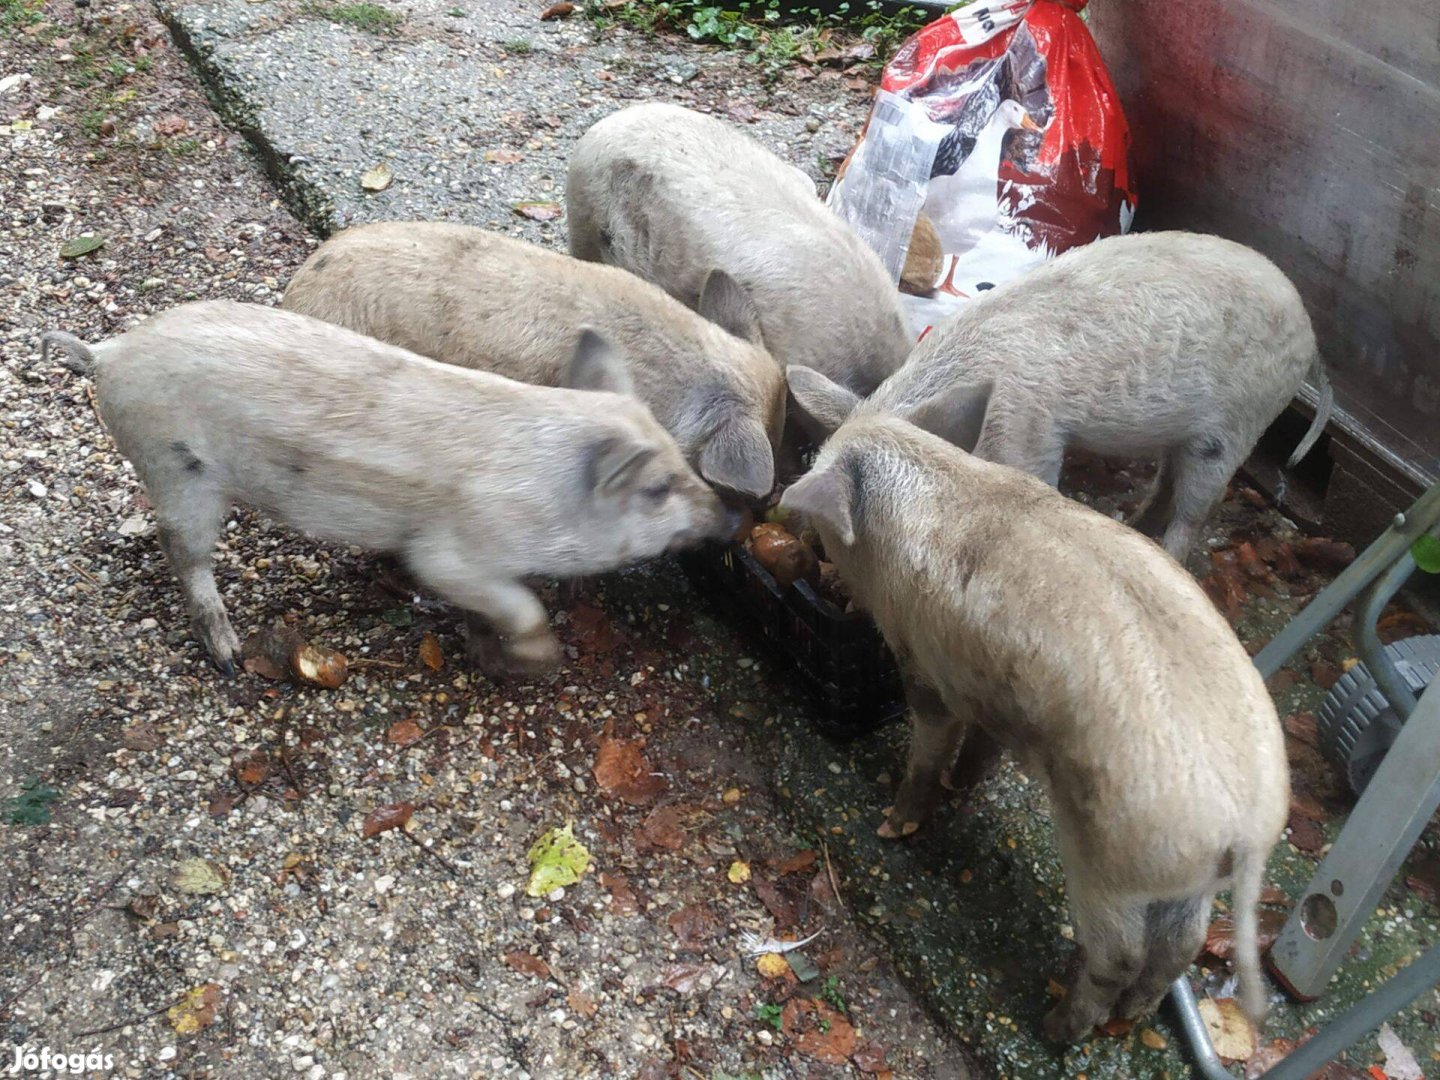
(171,831)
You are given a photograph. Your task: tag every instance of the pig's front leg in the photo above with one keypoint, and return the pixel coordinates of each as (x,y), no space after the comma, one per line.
(512,633)
(935,739)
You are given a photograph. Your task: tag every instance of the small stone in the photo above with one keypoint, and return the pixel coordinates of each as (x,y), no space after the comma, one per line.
(37,489)
(385,884)
(555,895)
(506,891)
(812,124)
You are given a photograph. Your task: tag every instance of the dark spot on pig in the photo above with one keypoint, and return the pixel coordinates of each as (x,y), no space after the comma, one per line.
(855,465)
(1227,864)
(322,262)
(984,286)
(1105,983)
(185,454)
(1210,448)
(296,468)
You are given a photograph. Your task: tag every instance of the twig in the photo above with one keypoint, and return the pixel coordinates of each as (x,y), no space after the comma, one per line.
(94,405)
(130,1020)
(365,661)
(13,998)
(830,871)
(432,853)
(284,720)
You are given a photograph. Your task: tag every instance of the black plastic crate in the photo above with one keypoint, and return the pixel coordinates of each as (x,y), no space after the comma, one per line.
(852,673)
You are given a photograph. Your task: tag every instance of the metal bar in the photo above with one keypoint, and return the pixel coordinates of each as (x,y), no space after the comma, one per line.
(1364,1016)
(1384,826)
(1390,545)
(1367,637)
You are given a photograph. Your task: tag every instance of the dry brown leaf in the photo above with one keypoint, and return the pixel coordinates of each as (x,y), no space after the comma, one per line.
(593,627)
(1267,1057)
(818,1031)
(1325,674)
(527,964)
(251,769)
(1116,1027)
(377,178)
(695,925)
(504,157)
(320,667)
(685,979)
(622,898)
(621,770)
(801,860)
(1220,938)
(870,1058)
(557,11)
(140,736)
(776,902)
(581,1003)
(404,733)
(1306,835)
(171,124)
(1230,1031)
(430,654)
(538,211)
(1329,556)
(1153,1039)
(196,1010)
(267,652)
(387,817)
(1302,728)
(1424,878)
(662,829)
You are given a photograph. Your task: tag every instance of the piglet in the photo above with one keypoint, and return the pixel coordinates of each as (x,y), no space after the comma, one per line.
(668,194)
(1171,346)
(1024,621)
(473,480)
(479,300)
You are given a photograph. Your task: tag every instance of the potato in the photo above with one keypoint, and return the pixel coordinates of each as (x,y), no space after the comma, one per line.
(784,556)
(923,260)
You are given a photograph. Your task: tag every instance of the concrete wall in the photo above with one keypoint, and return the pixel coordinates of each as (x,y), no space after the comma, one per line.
(1309,129)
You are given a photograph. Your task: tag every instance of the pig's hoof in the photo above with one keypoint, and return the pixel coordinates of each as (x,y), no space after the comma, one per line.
(888,828)
(227,668)
(1061,1026)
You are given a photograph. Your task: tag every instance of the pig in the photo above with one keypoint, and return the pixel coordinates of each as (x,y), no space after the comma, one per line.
(478,300)
(1168,345)
(1026,622)
(475,481)
(668,193)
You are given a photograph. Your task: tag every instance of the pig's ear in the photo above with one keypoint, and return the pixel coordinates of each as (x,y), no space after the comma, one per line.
(738,457)
(597,366)
(824,401)
(724,301)
(955,414)
(615,465)
(827,496)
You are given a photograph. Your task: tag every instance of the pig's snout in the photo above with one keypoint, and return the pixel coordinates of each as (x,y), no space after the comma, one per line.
(730,518)
(714,520)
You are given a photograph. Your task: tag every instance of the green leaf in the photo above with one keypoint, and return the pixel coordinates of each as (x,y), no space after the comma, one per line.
(556,860)
(32,805)
(771,1014)
(81,245)
(1426,553)
(399,616)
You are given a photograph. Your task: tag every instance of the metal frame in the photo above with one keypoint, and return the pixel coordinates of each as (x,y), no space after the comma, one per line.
(1380,831)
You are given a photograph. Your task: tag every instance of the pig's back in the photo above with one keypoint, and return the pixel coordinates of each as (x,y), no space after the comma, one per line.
(1180,328)
(677,194)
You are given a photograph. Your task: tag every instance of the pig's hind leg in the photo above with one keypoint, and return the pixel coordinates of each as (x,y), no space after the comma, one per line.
(189,514)
(1174,935)
(1156,509)
(1202,469)
(1111,935)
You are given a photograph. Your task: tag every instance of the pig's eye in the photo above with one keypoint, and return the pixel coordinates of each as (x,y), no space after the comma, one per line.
(658,492)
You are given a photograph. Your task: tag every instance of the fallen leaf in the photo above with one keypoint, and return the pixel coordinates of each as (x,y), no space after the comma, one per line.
(267,651)
(1325,674)
(1220,937)
(320,667)
(739,872)
(685,979)
(430,654)
(1323,554)
(527,964)
(504,157)
(1267,1057)
(140,736)
(221,805)
(593,627)
(557,859)
(377,178)
(801,860)
(622,898)
(387,817)
(1424,878)
(538,211)
(1302,727)
(1273,894)
(1303,805)
(196,1010)
(1230,1031)
(199,877)
(1116,1027)
(818,1031)
(695,925)
(1402,624)
(252,768)
(772,965)
(661,829)
(404,733)
(621,770)
(776,902)
(581,1003)
(1283,680)
(81,245)
(557,11)
(870,1058)
(1153,1039)
(171,124)
(1306,835)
